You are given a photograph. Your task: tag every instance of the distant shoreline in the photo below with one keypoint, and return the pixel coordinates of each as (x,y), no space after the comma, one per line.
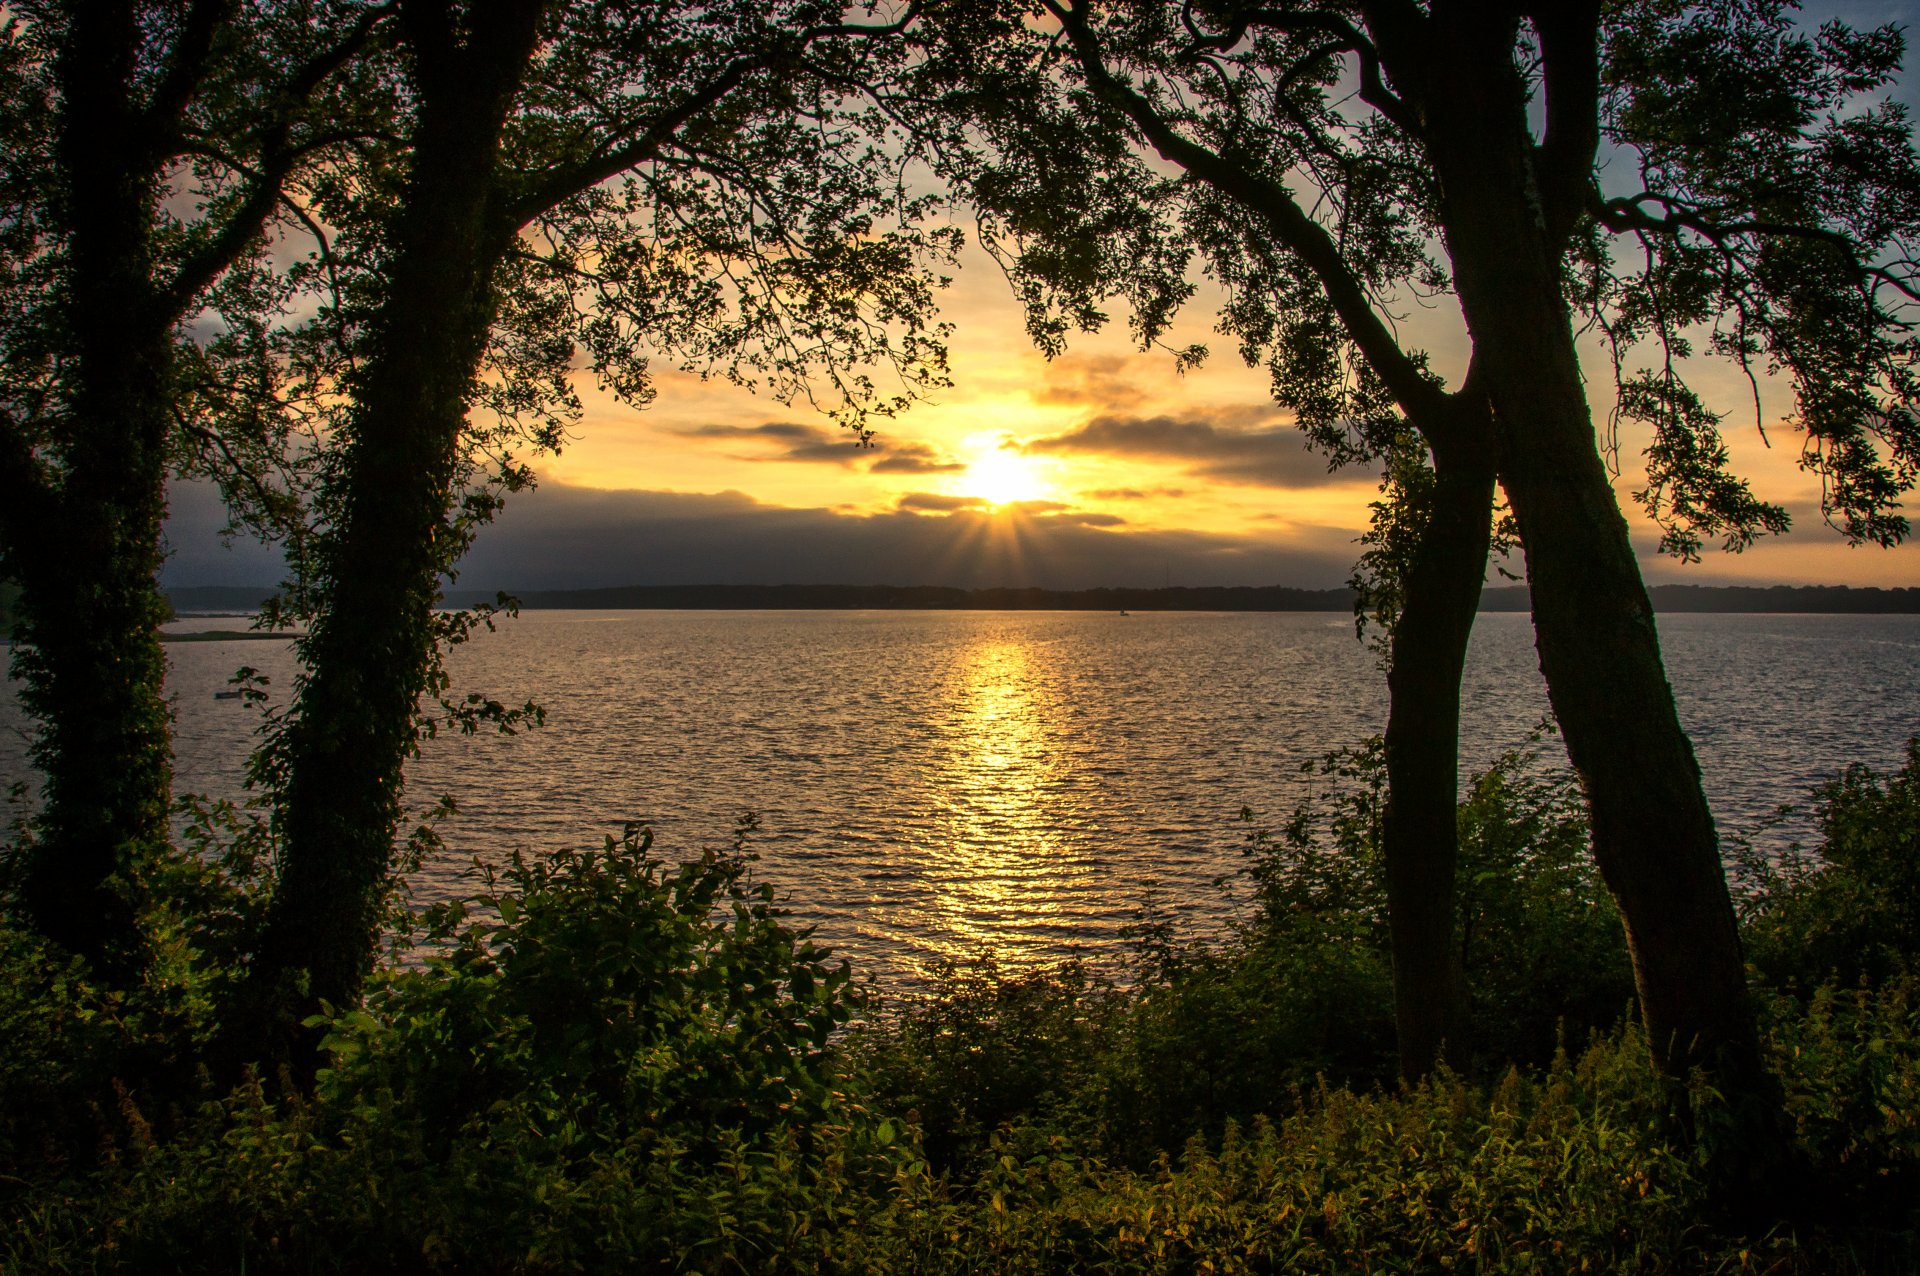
(1671,599)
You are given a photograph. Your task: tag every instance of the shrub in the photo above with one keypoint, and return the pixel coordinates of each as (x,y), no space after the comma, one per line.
(1540,941)
(1208,1033)
(1849,909)
(602,1061)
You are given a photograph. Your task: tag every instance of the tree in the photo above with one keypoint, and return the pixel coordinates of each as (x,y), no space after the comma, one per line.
(1075,214)
(149,154)
(614,179)
(1321,153)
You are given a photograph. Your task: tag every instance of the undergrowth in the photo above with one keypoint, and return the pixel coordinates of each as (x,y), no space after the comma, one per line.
(609,1062)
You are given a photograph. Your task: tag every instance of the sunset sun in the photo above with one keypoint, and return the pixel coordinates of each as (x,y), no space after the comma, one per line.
(1000,476)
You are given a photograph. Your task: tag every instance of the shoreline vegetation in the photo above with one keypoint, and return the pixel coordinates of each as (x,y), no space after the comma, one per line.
(1835,599)
(742,1103)
(228,635)
(353,264)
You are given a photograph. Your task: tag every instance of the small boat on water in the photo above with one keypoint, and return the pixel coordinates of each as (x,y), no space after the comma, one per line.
(227,695)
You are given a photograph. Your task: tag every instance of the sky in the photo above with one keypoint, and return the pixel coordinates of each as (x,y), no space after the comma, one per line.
(1102,467)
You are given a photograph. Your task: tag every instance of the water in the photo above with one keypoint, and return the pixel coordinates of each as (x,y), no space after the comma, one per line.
(931,782)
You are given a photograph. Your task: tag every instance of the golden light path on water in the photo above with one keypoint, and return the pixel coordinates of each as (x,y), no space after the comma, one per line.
(931,785)
(1001,771)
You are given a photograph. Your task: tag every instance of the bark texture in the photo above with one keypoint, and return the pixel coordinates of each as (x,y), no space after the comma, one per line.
(369,653)
(1441,589)
(1420,838)
(87,555)
(1653,834)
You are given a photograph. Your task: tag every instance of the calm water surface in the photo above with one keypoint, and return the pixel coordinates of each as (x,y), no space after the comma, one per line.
(931,782)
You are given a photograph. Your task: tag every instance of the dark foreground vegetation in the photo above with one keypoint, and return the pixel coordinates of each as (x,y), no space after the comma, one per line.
(608,1062)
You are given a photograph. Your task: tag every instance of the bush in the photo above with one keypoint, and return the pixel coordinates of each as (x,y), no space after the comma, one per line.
(980,1048)
(1205,1034)
(1850,909)
(604,1061)
(1562,1171)
(1540,942)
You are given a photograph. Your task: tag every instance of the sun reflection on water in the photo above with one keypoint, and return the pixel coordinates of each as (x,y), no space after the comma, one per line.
(1008,798)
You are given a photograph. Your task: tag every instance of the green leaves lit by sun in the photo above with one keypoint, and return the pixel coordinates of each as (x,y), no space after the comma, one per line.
(999,475)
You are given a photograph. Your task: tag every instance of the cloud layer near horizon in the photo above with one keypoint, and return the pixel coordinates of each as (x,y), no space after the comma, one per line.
(1266,456)
(561,537)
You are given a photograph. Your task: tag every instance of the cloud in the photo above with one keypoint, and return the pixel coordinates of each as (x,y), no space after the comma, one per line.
(1051,511)
(1134,493)
(802,442)
(1273,456)
(1091,380)
(813,443)
(559,537)
(198,555)
(939,502)
(910,457)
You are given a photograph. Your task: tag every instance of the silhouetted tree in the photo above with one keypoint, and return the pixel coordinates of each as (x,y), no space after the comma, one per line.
(608,180)
(150,152)
(1325,159)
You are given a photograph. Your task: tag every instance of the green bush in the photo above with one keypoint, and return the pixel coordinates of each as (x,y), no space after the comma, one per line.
(1849,909)
(980,1048)
(1540,942)
(1207,1033)
(603,1061)
(1561,1171)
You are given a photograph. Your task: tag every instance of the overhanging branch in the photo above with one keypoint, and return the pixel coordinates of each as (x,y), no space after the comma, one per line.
(1274,205)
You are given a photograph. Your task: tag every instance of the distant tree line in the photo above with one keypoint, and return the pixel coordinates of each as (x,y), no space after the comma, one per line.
(1809,599)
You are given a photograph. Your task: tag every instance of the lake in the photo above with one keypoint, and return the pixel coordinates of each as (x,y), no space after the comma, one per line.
(929,783)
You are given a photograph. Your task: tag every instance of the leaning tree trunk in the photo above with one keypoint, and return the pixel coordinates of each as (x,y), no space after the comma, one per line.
(369,652)
(91,653)
(1420,837)
(1653,835)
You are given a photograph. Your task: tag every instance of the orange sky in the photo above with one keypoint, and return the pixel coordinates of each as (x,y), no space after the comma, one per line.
(1111,438)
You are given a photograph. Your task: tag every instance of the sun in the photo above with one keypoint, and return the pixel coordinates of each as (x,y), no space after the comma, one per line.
(1001,476)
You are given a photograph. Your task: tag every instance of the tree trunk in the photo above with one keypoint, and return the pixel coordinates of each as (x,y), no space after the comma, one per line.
(370,651)
(1653,835)
(91,654)
(1421,843)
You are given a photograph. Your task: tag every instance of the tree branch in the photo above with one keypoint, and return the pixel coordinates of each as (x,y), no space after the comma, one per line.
(279,153)
(1343,37)
(609,162)
(1273,203)
(1570,53)
(1629,213)
(186,68)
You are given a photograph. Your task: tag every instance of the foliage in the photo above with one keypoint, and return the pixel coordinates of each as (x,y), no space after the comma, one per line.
(1538,938)
(600,1061)
(1204,1034)
(1850,908)
(1533,1174)
(981,1048)
(1766,212)
(154,155)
